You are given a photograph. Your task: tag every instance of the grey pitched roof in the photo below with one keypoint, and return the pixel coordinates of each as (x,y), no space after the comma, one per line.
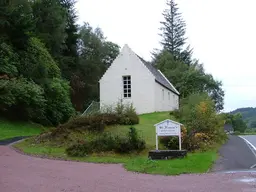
(159,78)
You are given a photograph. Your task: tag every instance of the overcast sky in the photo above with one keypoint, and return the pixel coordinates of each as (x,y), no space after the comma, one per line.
(222,33)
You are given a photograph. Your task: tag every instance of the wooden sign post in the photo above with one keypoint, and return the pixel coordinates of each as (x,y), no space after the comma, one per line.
(168,128)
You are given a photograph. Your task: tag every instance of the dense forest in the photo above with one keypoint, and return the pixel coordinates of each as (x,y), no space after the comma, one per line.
(248,115)
(50,66)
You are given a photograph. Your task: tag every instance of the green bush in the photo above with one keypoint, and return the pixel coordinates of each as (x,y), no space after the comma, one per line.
(237,132)
(85,123)
(108,118)
(31,85)
(97,122)
(22,97)
(129,119)
(59,107)
(130,143)
(106,142)
(171,143)
(127,114)
(9,60)
(176,114)
(36,62)
(204,125)
(79,150)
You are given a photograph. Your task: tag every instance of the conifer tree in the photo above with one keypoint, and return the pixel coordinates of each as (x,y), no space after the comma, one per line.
(173,33)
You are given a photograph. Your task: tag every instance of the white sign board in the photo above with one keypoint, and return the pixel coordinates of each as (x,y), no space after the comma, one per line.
(168,128)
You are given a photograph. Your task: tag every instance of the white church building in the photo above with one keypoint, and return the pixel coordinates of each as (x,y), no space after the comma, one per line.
(136,81)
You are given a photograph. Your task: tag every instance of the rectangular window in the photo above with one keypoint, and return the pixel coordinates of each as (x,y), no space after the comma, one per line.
(127,86)
(169,97)
(163,93)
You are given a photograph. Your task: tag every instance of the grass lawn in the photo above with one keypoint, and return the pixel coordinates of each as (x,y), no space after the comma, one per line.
(245,133)
(249,133)
(145,127)
(198,162)
(10,129)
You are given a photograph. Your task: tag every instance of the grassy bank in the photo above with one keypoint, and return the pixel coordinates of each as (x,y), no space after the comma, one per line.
(145,128)
(10,129)
(198,162)
(249,133)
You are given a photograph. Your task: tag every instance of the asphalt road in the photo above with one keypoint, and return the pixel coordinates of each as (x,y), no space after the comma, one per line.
(252,140)
(11,140)
(235,155)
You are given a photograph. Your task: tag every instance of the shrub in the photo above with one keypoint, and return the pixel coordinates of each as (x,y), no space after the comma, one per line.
(106,142)
(85,123)
(237,132)
(127,114)
(199,115)
(176,114)
(109,118)
(198,141)
(31,85)
(172,142)
(23,97)
(97,122)
(131,143)
(79,150)
(59,107)
(37,63)
(9,60)
(135,140)
(129,119)
(204,125)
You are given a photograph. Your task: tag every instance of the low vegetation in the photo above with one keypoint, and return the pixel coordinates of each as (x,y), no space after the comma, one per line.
(204,127)
(246,132)
(76,128)
(9,129)
(106,141)
(197,162)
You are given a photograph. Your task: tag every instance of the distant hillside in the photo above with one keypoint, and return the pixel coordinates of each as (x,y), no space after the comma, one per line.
(248,113)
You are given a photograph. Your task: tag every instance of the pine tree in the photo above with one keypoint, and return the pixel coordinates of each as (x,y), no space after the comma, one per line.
(69,58)
(50,24)
(173,33)
(16,22)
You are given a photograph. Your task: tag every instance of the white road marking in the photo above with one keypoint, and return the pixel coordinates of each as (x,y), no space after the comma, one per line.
(249,143)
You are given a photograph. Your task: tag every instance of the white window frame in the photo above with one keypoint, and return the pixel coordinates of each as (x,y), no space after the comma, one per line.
(127,86)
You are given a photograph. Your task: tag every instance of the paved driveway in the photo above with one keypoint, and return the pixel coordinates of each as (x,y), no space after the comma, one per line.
(20,173)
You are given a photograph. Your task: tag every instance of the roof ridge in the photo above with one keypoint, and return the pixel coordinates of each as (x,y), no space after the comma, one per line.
(159,76)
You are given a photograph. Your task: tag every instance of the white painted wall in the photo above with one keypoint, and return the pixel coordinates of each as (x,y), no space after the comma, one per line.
(142,83)
(165,100)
